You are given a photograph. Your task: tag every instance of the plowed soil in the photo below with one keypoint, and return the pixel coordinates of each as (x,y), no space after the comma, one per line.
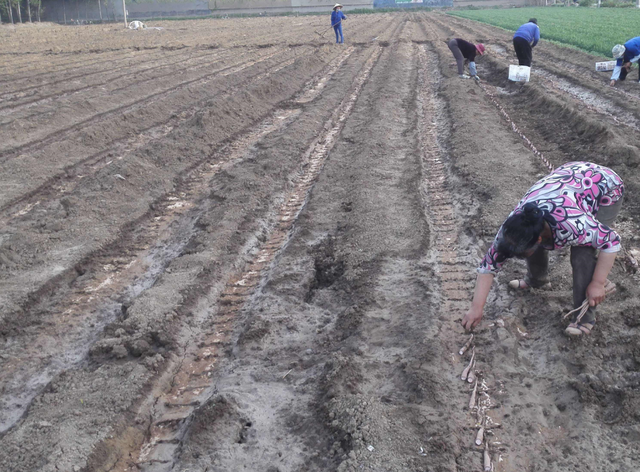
(232,245)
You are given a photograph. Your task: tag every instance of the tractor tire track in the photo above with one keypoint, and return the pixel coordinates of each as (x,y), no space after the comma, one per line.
(143,255)
(531,365)
(191,385)
(451,255)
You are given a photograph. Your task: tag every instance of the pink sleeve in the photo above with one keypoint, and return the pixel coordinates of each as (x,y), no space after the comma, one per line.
(604,238)
(585,230)
(492,261)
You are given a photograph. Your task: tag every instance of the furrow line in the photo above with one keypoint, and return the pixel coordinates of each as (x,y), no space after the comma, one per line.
(64,133)
(65,181)
(454,287)
(84,76)
(86,65)
(193,384)
(138,262)
(530,145)
(588,99)
(552,59)
(12,107)
(4,78)
(154,244)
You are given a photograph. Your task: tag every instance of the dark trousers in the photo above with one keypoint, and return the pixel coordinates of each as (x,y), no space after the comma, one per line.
(583,264)
(453,46)
(523,51)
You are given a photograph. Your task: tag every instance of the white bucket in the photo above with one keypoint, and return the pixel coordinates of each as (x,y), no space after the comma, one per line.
(605,66)
(519,73)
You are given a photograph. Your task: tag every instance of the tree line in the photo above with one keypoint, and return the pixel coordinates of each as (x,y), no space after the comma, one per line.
(62,11)
(20,11)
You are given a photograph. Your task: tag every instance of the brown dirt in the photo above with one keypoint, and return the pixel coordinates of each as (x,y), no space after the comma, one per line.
(232,245)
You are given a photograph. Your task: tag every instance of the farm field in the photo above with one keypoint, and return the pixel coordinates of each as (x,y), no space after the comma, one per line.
(232,245)
(595,30)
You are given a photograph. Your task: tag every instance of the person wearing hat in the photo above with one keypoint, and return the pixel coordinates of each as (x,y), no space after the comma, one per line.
(625,55)
(336,21)
(524,40)
(462,50)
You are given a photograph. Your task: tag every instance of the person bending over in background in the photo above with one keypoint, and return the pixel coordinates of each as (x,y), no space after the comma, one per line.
(524,40)
(573,206)
(462,50)
(336,21)
(625,55)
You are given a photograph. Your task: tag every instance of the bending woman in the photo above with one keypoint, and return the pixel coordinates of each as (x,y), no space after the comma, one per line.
(573,206)
(462,50)
(625,54)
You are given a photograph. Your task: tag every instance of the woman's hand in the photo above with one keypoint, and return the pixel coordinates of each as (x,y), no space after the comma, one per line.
(474,315)
(595,290)
(472,318)
(595,293)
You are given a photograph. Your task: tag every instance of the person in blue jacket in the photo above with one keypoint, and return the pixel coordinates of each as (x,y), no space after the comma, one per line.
(524,40)
(626,55)
(336,21)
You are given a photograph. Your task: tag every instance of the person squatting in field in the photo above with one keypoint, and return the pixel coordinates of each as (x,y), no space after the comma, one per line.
(573,206)
(625,55)
(524,40)
(462,50)
(336,21)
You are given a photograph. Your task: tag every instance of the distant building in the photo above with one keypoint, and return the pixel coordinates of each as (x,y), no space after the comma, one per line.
(411,3)
(57,10)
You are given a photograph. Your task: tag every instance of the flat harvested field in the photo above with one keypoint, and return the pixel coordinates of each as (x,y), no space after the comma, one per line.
(594,30)
(231,245)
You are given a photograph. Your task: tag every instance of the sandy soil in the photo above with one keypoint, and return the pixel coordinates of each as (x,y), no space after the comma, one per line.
(232,245)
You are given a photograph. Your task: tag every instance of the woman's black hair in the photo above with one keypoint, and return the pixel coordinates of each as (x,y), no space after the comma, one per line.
(623,72)
(521,231)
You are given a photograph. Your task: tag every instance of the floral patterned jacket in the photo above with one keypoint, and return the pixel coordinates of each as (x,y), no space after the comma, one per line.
(570,198)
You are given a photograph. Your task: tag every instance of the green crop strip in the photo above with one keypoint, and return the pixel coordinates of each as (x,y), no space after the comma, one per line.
(594,30)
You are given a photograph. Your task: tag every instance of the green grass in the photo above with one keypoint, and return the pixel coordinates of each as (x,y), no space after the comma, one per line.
(594,30)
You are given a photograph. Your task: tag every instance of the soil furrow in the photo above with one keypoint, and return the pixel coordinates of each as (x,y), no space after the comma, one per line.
(84,74)
(537,374)
(137,273)
(450,251)
(267,270)
(63,133)
(159,238)
(59,101)
(12,106)
(577,68)
(297,360)
(169,422)
(12,77)
(110,55)
(65,181)
(99,171)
